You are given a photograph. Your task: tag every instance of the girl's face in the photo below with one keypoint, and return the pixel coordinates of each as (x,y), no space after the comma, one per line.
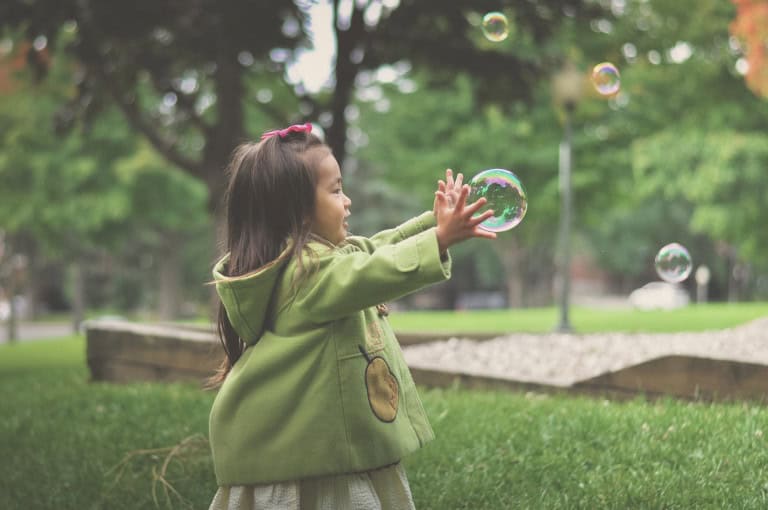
(331,204)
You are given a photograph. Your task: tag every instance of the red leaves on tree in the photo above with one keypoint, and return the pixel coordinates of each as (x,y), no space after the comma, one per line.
(751,26)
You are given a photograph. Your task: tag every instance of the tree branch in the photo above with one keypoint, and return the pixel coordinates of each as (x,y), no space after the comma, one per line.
(90,46)
(161,144)
(273,113)
(187,105)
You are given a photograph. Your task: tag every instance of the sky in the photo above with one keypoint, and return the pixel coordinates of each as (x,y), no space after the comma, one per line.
(313,67)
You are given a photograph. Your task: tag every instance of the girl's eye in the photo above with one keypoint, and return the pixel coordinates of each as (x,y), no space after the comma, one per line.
(337,191)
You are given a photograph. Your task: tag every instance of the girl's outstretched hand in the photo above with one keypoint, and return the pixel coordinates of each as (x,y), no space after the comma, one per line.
(455,222)
(451,187)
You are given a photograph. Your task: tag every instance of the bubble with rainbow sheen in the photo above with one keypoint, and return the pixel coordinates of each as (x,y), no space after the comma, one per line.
(495,26)
(673,263)
(606,79)
(505,195)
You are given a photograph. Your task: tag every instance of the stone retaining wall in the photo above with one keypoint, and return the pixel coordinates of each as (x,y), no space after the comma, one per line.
(122,351)
(119,351)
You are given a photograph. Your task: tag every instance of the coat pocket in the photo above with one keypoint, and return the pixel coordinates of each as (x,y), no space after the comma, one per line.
(407,255)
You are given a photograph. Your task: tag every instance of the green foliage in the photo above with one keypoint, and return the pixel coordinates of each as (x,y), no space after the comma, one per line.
(143,50)
(445,39)
(477,105)
(467,138)
(162,198)
(58,187)
(457,134)
(96,188)
(721,174)
(669,109)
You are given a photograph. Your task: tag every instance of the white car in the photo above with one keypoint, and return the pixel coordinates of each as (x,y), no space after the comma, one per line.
(659,295)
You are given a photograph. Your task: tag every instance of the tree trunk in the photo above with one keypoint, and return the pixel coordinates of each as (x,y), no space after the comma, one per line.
(13,330)
(348,40)
(170,277)
(78,294)
(32,282)
(511,257)
(229,129)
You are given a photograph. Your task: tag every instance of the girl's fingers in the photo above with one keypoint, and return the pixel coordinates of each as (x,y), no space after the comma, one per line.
(475,206)
(462,198)
(449,177)
(481,218)
(459,180)
(441,185)
(479,232)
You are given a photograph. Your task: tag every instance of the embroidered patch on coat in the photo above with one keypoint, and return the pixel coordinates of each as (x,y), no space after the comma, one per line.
(383,390)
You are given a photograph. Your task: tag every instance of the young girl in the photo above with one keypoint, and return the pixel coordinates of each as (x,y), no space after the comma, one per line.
(317,405)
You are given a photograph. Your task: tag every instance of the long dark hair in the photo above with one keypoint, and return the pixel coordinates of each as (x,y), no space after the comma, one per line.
(269,200)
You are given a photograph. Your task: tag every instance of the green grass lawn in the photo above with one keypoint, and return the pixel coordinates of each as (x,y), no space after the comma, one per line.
(62,440)
(583,320)
(544,320)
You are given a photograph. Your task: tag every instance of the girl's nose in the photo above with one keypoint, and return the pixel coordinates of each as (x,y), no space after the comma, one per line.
(347,201)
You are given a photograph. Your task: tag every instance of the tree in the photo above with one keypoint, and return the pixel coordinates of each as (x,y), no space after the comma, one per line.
(751,26)
(90,190)
(420,133)
(176,70)
(721,174)
(64,208)
(180,71)
(678,68)
(680,86)
(167,219)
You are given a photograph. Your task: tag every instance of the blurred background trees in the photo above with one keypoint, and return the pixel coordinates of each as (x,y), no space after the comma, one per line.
(116,120)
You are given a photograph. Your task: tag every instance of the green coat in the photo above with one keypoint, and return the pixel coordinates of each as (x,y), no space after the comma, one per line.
(322,387)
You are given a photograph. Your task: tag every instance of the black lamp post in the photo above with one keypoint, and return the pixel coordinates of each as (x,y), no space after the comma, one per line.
(568,87)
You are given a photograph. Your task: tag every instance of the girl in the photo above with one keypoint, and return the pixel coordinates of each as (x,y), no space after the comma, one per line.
(317,405)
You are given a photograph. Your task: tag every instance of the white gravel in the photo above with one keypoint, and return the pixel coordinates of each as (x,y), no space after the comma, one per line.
(563,359)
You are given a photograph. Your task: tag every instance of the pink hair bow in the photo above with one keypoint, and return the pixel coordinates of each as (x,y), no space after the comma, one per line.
(296,128)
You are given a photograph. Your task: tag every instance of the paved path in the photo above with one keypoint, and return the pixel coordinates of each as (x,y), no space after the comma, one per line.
(37,331)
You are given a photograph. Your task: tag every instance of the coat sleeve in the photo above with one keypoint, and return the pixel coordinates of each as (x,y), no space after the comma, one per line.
(349,279)
(408,229)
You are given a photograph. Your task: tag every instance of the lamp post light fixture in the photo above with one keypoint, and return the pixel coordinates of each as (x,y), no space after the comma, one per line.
(568,88)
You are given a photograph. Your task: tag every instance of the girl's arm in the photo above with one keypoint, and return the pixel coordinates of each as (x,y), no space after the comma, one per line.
(408,229)
(349,279)
(450,187)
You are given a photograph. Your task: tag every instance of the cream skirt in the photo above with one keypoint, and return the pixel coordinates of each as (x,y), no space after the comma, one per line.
(382,489)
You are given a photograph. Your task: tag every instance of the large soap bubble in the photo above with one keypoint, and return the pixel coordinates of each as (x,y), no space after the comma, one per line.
(505,195)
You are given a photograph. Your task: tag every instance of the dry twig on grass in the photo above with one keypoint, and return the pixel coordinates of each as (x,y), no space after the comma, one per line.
(187,446)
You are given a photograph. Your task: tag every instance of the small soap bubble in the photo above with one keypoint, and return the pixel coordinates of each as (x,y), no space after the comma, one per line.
(505,195)
(606,78)
(673,263)
(495,26)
